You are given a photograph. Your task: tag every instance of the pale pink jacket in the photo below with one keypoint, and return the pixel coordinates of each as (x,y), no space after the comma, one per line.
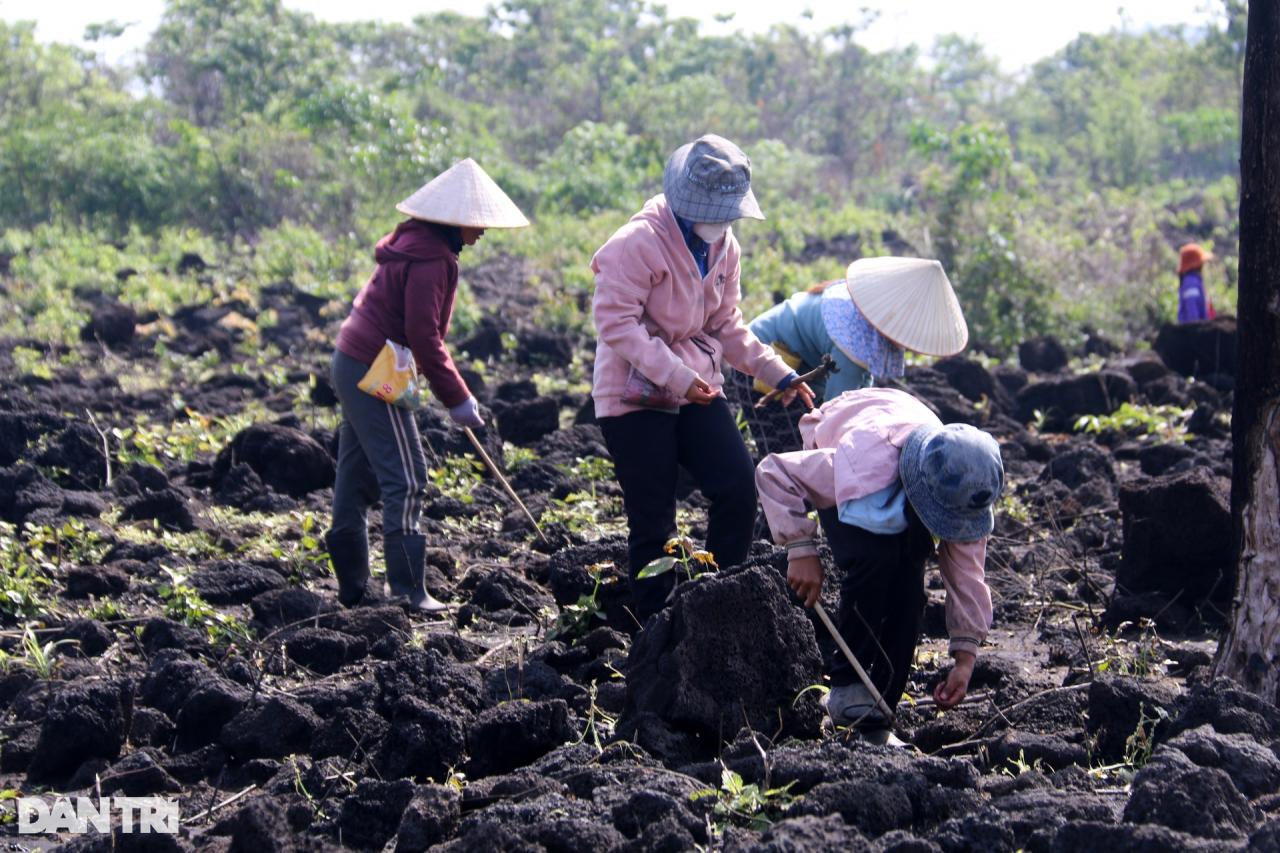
(650,303)
(851,450)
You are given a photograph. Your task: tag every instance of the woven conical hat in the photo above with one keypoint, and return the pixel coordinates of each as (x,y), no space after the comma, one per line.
(910,302)
(464,195)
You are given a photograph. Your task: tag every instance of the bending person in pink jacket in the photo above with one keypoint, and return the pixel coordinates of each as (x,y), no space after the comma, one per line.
(886,477)
(667,320)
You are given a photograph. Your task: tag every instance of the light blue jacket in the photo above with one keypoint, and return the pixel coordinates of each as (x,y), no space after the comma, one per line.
(797,324)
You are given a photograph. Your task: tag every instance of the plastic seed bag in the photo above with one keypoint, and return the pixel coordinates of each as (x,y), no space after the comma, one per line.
(393,378)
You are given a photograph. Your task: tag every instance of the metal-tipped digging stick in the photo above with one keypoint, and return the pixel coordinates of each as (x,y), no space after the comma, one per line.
(827,366)
(857,667)
(475,442)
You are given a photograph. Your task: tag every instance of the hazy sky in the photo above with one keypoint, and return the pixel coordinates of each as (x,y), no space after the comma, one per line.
(1017,32)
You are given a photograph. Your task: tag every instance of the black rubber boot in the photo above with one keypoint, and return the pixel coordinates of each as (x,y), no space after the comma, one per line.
(350,557)
(406,572)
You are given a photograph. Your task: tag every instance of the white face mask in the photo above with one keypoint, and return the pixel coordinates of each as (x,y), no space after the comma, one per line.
(711,232)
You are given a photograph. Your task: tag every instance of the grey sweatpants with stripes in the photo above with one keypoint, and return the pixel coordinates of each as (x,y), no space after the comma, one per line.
(379,453)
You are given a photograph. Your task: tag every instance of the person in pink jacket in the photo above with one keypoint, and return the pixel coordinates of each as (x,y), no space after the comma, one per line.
(667,320)
(886,478)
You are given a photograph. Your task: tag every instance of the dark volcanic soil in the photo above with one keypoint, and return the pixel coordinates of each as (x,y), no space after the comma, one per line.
(202,655)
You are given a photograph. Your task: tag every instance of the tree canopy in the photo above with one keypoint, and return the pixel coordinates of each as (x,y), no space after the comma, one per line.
(1057,197)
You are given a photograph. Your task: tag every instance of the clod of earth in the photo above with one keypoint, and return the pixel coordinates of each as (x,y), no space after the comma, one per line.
(731,651)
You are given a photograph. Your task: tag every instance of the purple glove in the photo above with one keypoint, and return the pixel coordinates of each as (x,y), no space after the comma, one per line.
(467,414)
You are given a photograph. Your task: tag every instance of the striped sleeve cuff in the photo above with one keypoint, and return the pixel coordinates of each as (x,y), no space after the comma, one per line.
(806,547)
(964,644)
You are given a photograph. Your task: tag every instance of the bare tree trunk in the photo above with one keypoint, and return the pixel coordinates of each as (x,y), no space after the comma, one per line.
(1250,652)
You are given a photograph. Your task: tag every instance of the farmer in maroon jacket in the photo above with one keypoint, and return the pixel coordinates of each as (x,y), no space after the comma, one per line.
(408,300)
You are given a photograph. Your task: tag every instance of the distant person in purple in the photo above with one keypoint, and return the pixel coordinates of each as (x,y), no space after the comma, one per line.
(1194,303)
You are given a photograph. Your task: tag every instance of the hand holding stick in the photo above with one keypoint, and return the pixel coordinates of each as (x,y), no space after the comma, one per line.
(828,366)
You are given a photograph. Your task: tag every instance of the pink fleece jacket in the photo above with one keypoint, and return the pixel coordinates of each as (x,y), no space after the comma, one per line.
(651,304)
(852,444)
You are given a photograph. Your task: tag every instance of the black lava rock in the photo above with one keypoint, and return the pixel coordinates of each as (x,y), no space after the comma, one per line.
(1199,349)
(169,507)
(226,582)
(113,323)
(423,743)
(85,720)
(276,728)
(287,459)
(100,581)
(430,818)
(371,815)
(1118,703)
(324,651)
(1172,791)
(1254,769)
(732,650)
(513,734)
(1061,401)
(1177,538)
(526,421)
(91,637)
(139,774)
(1043,354)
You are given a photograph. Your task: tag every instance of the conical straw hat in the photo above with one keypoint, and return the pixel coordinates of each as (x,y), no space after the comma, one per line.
(910,302)
(464,195)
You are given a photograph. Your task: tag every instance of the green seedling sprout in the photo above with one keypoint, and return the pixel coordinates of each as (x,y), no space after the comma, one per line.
(682,556)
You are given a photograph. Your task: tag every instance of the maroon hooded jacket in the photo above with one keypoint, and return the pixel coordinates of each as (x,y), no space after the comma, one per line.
(409,300)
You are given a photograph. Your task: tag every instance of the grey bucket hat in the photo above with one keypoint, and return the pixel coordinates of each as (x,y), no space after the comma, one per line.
(953,476)
(709,180)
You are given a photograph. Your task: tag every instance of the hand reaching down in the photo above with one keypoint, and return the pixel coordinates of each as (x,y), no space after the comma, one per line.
(952,690)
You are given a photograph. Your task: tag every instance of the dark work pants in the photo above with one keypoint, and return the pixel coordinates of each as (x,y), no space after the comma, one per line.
(648,449)
(882,600)
(379,455)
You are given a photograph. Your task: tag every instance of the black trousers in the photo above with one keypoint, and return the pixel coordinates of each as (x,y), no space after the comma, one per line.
(648,450)
(882,599)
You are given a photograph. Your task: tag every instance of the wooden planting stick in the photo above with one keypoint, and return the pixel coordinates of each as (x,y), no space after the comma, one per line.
(857,667)
(475,442)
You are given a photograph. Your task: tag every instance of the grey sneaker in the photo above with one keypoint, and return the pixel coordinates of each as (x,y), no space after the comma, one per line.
(852,705)
(882,737)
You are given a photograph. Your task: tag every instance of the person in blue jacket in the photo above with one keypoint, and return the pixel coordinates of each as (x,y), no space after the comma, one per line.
(824,321)
(906,303)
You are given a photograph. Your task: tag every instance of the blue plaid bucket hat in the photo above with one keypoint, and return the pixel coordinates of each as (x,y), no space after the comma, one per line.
(709,180)
(953,477)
